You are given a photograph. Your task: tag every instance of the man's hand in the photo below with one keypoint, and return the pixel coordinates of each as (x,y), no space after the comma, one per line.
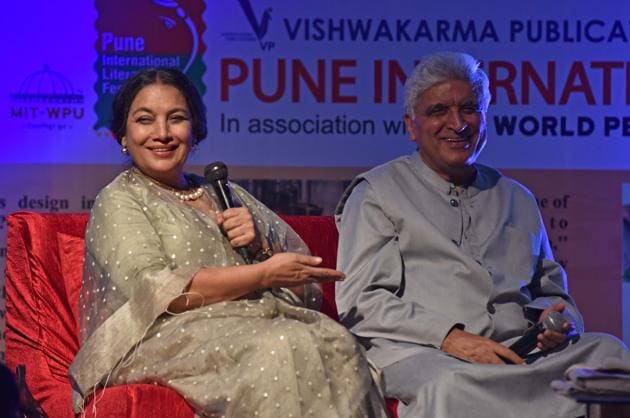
(548,339)
(477,349)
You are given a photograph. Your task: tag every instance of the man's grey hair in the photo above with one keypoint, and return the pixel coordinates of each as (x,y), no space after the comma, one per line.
(443,66)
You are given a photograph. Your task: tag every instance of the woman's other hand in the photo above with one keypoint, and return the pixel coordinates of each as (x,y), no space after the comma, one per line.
(291,269)
(217,284)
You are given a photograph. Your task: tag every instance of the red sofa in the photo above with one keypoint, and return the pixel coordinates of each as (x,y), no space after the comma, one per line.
(43,277)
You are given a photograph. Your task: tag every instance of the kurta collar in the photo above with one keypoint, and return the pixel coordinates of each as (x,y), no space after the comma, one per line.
(481,179)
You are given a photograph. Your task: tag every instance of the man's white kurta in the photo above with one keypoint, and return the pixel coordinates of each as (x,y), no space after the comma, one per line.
(422,257)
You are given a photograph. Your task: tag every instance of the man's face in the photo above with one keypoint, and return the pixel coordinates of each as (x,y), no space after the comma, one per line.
(449,129)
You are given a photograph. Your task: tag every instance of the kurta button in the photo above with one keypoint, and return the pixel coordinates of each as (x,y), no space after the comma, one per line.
(491,308)
(454,203)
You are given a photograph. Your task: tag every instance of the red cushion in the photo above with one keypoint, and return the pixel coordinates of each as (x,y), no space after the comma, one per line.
(43,277)
(40,322)
(71,253)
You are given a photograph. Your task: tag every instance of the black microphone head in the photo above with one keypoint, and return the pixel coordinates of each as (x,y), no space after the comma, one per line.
(555,321)
(215,172)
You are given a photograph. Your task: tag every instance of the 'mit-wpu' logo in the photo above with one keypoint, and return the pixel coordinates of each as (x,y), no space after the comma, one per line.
(259,25)
(47,99)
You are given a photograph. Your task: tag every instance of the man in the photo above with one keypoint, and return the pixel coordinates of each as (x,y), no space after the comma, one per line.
(448,262)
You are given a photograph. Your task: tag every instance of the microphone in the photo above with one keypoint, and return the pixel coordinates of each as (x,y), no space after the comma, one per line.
(554,321)
(217,175)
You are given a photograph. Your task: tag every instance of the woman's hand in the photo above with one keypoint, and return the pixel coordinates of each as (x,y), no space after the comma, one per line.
(238,225)
(291,269)
(217,284)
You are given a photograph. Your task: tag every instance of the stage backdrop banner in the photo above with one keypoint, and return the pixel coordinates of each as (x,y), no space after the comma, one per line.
(319,83)
(301,96)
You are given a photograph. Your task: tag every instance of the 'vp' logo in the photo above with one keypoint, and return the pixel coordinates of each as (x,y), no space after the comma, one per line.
(258,26)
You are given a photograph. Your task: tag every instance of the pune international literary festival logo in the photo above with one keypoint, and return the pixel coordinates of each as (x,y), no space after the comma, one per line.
(148,34)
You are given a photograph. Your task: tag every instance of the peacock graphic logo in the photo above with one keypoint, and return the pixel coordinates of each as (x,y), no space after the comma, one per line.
(170,23)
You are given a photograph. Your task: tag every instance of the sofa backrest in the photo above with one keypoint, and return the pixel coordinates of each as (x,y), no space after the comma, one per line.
(41,313)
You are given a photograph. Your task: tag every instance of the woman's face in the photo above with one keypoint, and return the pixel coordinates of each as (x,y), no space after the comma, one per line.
(158,134)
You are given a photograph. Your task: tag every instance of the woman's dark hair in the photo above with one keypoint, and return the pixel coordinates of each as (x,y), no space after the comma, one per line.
(169,76)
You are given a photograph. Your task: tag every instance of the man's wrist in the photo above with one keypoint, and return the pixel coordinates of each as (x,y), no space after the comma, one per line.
(453,332)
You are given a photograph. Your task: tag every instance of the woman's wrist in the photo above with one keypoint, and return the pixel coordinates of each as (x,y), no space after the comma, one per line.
(255,246)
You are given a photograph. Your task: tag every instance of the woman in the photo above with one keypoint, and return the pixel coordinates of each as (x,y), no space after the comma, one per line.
(166,297)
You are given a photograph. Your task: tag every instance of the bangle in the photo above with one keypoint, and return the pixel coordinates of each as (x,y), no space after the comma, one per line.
(263,254)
